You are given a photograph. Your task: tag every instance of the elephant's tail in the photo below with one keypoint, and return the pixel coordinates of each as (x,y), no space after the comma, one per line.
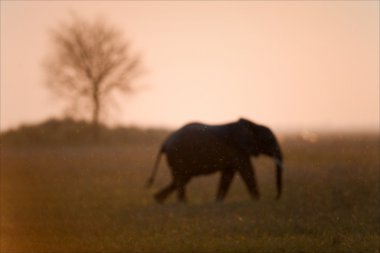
(156,164)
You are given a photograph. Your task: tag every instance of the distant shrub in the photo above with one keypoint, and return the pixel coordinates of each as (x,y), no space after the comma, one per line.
(69,131)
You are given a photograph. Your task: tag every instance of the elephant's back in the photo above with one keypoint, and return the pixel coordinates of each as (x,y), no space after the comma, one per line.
(188,136)
(196,145)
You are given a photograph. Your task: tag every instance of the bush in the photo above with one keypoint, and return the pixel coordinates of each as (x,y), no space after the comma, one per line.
(69,131)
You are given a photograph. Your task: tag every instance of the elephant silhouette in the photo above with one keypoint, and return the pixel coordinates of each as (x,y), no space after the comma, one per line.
(199,149)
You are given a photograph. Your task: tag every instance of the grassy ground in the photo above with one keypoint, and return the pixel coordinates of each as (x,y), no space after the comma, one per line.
(92,199)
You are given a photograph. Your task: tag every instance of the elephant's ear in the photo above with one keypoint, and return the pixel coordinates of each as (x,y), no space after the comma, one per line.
(246,136)
(252,127)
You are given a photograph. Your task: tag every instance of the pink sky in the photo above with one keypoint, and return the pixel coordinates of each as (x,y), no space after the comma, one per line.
(290,65)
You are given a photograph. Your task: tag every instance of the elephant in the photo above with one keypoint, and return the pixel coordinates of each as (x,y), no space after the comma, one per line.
(199,149)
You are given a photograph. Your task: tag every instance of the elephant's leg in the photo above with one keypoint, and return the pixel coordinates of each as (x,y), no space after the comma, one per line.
(181,187)
(224,185)
(164,193)
(247,173)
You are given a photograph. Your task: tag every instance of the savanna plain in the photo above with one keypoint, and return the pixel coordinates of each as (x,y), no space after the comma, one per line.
(92,198)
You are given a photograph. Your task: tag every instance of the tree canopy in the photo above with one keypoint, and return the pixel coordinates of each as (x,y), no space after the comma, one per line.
(90,61)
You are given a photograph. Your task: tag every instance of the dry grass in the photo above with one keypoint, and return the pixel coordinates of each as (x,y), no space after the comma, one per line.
(92,199)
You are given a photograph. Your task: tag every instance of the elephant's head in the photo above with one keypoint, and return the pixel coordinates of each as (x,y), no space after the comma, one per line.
(258,139)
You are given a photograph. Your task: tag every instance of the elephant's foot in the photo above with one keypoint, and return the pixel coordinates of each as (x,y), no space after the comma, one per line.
(182,200)
(256,195)
(159,198)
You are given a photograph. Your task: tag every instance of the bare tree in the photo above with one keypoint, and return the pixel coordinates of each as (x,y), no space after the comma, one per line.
(90,61)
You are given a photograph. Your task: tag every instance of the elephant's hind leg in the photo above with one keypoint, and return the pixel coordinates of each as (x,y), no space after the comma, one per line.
(164,193)
(181,187)
(178,183)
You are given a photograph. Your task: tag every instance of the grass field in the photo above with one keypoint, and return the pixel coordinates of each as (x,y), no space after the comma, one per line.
(92,199)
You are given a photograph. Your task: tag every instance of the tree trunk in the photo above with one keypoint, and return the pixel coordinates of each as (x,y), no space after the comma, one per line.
(95,116)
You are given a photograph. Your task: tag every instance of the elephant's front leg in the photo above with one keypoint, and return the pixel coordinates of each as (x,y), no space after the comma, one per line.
(247,173)
(224,184)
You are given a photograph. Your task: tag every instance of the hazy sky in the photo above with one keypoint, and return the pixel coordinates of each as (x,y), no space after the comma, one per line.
(290,65)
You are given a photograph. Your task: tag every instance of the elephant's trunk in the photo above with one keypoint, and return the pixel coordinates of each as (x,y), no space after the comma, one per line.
(279,168)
